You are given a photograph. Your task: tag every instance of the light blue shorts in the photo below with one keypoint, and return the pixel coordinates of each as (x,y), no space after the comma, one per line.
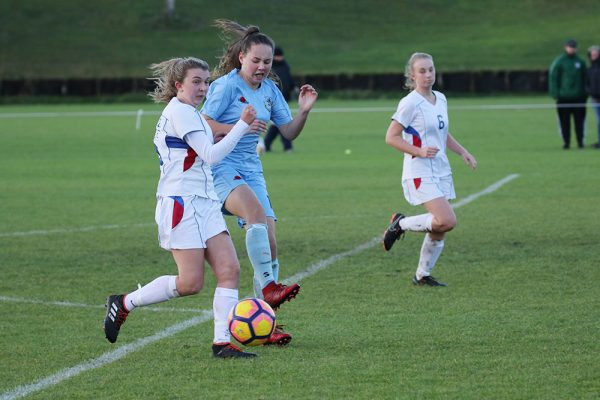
(226,178)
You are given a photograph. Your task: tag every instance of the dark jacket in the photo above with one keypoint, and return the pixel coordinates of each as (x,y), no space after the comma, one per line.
(593,79)
(282,69)
(567,78)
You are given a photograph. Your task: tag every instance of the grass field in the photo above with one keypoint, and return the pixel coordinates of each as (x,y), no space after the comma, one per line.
(111,38)
(519,319)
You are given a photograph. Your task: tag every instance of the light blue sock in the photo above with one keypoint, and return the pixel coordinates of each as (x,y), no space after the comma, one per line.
(275,265)
(257,288)
(259,252)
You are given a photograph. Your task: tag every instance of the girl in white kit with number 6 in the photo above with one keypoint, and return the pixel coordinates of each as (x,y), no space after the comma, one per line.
(419,129)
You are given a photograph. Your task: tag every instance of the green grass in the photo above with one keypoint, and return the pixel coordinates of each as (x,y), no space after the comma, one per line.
(518,320)
(110,38)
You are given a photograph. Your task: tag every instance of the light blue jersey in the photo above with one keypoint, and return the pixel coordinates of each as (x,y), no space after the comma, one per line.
(225,100)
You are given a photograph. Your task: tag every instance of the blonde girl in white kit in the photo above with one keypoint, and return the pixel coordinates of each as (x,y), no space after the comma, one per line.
(188,211)
(419,129)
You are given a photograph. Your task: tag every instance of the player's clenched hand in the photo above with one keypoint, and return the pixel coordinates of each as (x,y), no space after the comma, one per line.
(248,114)
(258,126)
(428,152)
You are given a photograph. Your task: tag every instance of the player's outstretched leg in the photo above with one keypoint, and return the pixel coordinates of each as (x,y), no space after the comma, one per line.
(228,350)
(276,294)
(118,306)
(279,337)
(115,316)
(393,231)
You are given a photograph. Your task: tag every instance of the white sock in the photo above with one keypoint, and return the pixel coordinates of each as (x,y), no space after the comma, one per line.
(430,252)
(161,289)
(223,302)
(417,223)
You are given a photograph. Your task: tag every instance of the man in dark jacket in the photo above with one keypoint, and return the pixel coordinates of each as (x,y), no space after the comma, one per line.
(567,86)
(593,85)
(282,69)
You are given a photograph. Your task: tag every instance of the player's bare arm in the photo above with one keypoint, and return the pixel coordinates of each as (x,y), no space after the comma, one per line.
(306,100)
(456,147)
(394,139)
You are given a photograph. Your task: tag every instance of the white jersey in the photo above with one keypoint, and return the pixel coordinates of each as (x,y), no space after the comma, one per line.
(182,172)
(425,124)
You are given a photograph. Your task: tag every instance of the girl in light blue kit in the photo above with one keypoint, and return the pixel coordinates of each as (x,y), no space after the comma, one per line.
(244,77)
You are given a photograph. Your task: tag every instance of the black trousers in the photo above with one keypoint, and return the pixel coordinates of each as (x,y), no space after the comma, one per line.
(564,117)
(272,134)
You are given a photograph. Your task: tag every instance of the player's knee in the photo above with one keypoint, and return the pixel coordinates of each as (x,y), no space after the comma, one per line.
(447,223)
(233,270)
(228,273)
(256,215)
(444,224)
(189,287)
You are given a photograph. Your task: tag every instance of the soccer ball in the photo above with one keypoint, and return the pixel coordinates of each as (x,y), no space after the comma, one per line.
(251,322)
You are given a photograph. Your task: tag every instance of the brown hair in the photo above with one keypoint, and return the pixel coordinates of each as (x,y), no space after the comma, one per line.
(239,39)
(167,73)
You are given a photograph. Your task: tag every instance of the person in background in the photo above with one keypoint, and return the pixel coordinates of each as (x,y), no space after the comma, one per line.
(566,84)
(282,70)
(188,211)
(419,129)
(593,85)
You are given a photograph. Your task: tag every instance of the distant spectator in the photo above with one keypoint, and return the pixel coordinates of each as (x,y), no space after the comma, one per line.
(282,69)
(567,87)
(593,85)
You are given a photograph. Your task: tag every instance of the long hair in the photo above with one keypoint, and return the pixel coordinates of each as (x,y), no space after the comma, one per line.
(409,82)
(238,39)
(167,73)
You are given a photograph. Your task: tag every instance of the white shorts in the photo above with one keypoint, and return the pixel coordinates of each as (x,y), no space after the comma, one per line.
(421,190)
(187,222)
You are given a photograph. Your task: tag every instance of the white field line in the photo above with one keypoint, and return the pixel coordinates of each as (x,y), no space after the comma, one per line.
(75,114)
(41,232)
(492,188)
(376,240)
(106,358)
(138,119)
(466,200)
(83,305)
(122,351)
(73,230)
(138,114)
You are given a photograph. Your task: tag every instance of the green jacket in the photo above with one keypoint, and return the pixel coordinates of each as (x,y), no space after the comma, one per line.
(567,78)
